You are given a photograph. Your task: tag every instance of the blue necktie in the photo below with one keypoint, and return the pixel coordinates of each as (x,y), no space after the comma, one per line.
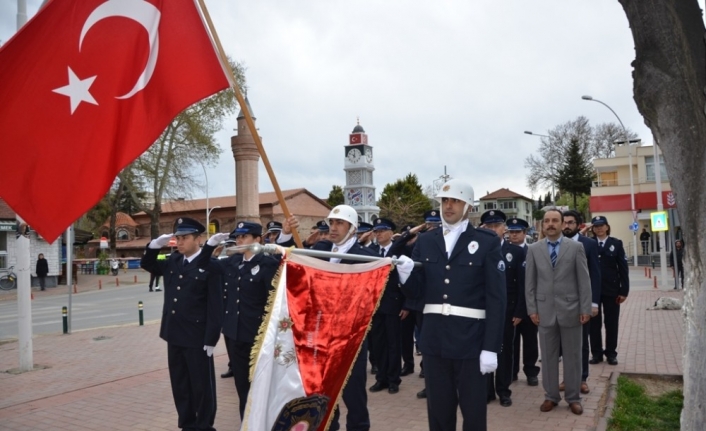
(553,255)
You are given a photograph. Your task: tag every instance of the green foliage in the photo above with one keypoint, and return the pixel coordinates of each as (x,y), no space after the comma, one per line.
(404,201)
(576,173)
(335,196)
(635,410)
(547,199)
(582,204)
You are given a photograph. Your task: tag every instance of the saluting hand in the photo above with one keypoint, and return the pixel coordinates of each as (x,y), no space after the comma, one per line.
(217,238)
(161,241)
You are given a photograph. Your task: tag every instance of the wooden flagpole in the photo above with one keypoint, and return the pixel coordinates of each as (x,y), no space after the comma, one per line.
(248,118)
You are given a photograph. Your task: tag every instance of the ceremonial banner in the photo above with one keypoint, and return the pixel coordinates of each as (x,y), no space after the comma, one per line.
(317,319)
(86,87)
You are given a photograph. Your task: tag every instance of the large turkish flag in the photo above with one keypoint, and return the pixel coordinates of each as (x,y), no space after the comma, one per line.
(85,88)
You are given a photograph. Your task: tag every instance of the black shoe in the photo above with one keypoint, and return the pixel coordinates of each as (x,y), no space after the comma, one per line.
(227,374)
(532,381)
(421,374)
(394,388)
(150,289)
(595,360)
(612,361)
(407,371)
(374,369)
(378,386)
(505,401)
(422,393)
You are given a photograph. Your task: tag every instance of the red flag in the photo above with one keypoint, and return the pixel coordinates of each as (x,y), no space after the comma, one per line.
(86,87)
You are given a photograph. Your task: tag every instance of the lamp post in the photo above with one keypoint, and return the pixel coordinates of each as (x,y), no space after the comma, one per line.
(208,211)
(527,132)
(208,215)
(632,186)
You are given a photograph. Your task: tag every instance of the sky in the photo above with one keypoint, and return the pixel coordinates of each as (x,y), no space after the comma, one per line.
(451,84)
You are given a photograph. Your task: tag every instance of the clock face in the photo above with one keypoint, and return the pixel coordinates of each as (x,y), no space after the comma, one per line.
(354,155)
(369,155)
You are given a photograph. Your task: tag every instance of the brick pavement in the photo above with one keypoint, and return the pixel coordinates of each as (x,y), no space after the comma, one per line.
(116,379)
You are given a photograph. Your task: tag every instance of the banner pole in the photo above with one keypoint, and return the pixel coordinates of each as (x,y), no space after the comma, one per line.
(248,118)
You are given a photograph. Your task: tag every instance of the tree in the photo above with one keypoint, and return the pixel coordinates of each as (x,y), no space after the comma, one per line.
(404,201)
(576,174)
(187,142)
(547,199)
(593,143)
(335,196)
(582,204)
(669,82)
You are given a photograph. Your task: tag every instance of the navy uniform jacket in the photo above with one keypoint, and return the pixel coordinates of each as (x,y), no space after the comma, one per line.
(614,268)
(246,288)
(472,277)
(514,257)
(590,246)
(392,297)
(192,312)
(357,248)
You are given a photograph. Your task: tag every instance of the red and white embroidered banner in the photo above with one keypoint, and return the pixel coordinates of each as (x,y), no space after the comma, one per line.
(309,341)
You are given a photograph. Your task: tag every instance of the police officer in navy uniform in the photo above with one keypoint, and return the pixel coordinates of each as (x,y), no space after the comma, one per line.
(615,287)
(462,282)
(517,229)
(342,222)
(385,329)
(273,230)
(191,323)
(247,282)
(514,258)
(365,233)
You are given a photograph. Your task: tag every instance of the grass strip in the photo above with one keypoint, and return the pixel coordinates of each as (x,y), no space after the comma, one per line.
(634,410)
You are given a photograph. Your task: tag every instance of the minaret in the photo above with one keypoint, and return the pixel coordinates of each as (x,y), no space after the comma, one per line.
(246,171)
(359,191)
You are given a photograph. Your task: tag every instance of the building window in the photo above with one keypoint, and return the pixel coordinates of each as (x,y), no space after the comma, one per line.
(475,208)
(507,205)
(489,205)
(122,235)
(650,168)
(527,207)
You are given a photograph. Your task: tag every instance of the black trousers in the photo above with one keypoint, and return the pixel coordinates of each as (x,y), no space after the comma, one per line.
(608,315)
(453,383)
(154,280)
(193,386)
(585,331)
(355,396)
(407,339)
(371,352)
(42,281)
(239,363)
(386,343)
(530,349)
(500,380)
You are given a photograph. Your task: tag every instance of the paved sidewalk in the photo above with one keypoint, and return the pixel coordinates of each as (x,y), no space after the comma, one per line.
(116,379)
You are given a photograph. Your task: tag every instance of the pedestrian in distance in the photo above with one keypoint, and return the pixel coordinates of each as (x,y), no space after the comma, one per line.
(42,270)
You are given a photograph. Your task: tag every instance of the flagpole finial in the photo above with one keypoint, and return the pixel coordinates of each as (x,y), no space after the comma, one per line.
(357,120)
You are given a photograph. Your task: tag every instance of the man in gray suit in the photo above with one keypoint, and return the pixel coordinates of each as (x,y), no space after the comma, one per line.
(558,290)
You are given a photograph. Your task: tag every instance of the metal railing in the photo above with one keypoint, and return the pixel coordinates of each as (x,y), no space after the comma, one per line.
(626,182)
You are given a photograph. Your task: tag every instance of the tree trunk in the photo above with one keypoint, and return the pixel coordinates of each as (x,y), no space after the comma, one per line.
(669,85)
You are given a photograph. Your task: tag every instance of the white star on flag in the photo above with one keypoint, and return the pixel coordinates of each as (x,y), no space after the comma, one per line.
(77,90)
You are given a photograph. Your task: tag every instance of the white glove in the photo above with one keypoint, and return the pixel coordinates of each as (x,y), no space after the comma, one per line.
(488,362)
(405,266)
(209,350)
(217,238)
(160,242)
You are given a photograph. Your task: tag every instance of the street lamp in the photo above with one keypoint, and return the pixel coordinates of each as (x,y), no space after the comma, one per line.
(208,211)
(208,214)
(632,186)
(527,132)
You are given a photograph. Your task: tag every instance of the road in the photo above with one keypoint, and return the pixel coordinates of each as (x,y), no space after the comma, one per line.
(89,310)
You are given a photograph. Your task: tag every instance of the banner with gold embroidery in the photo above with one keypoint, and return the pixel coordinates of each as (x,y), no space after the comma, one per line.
(317,319)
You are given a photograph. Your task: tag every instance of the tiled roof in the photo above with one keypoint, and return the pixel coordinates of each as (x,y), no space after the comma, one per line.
(6,212)
(121,219)
(503,194)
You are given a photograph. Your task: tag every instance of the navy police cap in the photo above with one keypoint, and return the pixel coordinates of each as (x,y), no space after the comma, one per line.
(364,227)
(432,216)
(186,226)
(493,216)
(274,226)
(246,227)
(517,224)
(322,226)
(383,223)
(599,221)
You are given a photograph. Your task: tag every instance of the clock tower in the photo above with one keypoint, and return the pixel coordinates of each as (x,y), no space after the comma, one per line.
(359,191)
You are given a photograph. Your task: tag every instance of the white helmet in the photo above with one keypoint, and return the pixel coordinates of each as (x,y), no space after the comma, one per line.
(457,189)
(344,212)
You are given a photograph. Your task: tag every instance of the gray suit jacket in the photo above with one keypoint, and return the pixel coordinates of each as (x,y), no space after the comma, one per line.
(561,293)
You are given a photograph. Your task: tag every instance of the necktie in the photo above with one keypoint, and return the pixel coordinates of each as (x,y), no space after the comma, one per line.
(553,255)
(600,244)
(186,261)
(382,251)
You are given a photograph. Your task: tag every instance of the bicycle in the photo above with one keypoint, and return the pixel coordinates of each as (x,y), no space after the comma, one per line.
(8,280)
